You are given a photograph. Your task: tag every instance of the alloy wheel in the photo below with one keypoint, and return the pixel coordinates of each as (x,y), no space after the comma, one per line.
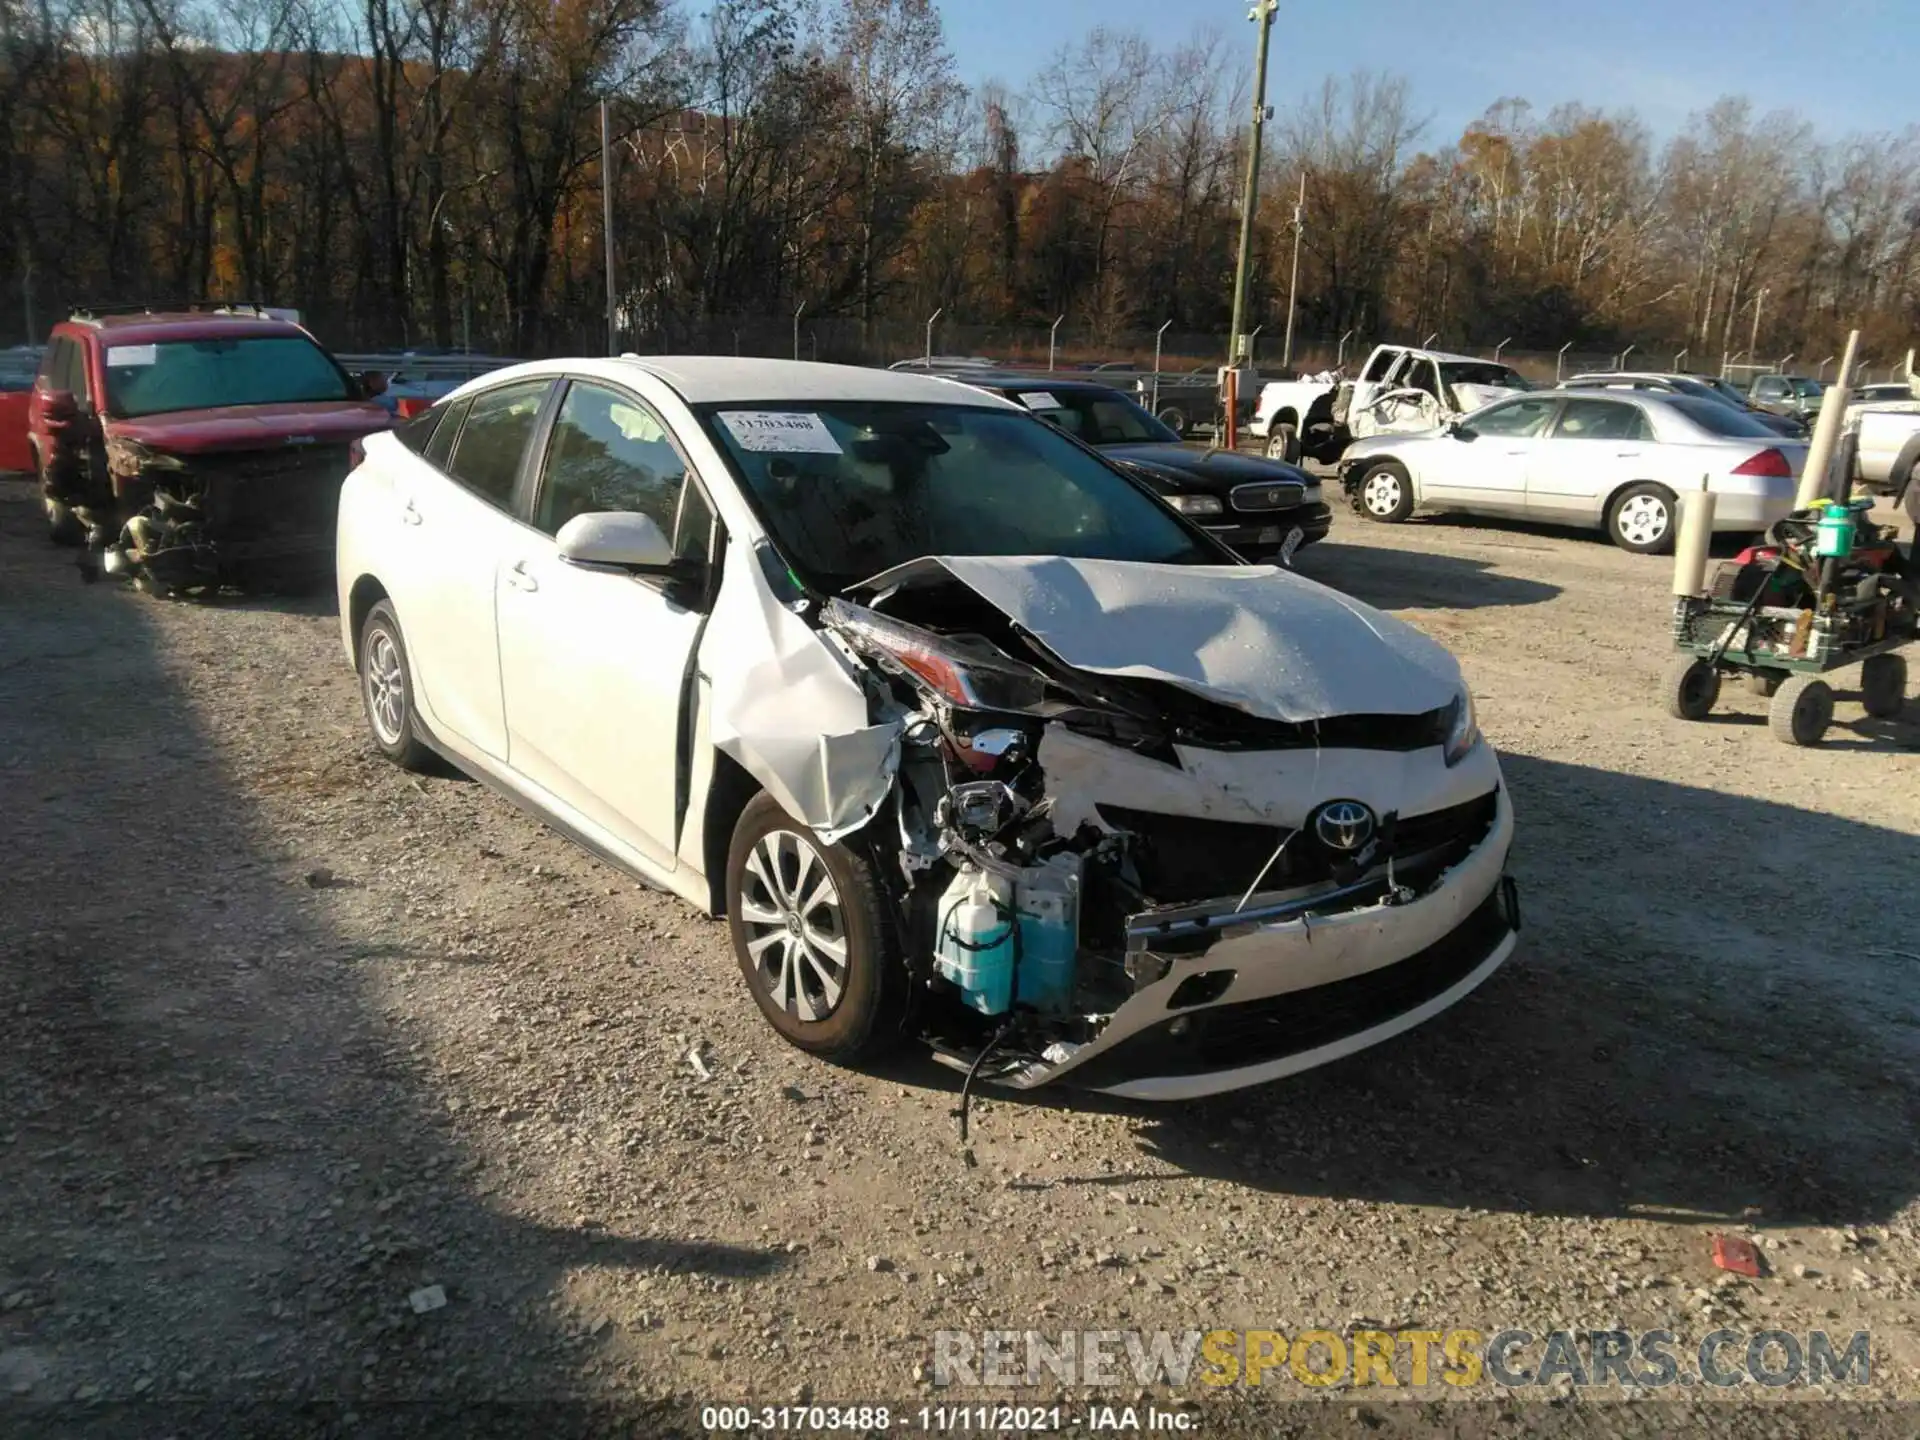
(386,688)
(796,929)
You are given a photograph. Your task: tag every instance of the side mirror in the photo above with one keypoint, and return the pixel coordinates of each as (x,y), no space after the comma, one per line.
(616,538)
(372,383)
(60,407)
(1461,431)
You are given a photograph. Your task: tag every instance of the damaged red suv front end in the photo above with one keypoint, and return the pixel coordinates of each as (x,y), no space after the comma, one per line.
(197,451)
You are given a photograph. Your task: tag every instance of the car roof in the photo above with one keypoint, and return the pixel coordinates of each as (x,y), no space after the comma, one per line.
(1630,375)
(1006,381)
(150,327)
(1447,357)
(717,379)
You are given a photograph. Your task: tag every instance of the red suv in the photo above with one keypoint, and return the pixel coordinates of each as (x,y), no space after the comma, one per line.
(196,449)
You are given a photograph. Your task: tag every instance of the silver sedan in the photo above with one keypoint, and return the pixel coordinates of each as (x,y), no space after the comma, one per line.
(1617,462)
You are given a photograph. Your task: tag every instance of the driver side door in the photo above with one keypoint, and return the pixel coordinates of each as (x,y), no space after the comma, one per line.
(1485,467)
(597,663)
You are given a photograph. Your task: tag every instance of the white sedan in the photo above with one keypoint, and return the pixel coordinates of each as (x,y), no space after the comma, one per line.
(968,736)
(1618,462)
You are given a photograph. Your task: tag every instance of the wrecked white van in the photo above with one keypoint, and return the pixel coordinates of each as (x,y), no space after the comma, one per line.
(971,739)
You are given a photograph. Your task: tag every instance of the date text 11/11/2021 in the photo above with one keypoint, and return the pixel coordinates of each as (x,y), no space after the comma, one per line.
(943,1419)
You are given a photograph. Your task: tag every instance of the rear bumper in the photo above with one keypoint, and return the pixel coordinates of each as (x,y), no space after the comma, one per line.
(1294,993)
(1750,510)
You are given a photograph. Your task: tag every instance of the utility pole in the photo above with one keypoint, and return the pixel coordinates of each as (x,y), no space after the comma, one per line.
(1753,341)
(606,220)
(1262,15)
(1293,285)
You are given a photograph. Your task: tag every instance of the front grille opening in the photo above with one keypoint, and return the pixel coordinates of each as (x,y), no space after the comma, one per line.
(1181,859)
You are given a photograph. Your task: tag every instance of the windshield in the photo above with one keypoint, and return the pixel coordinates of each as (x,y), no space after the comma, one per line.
(1479,372)
(850,488)
(1725,391)
(1805,387)
(1099,417)
(203,374)
(1718,419)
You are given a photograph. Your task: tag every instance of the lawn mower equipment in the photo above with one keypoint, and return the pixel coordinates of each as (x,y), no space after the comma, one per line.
(1829,590)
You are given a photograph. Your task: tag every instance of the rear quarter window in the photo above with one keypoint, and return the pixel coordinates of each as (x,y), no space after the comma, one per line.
(416,434)
(1721,420)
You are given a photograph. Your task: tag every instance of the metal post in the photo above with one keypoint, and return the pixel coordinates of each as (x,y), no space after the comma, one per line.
(930,323)
(1826,428)
(1677,360)
(796,328)
(1753,342)
(1501,346)
(1156,366)
(1621,363)
(1781,366)
(1053,340)
(1293,284)
(1427,344)
(1253,335)
(1262,15)
(606,220)
(1340,361)
(1560,361)
(1823,367)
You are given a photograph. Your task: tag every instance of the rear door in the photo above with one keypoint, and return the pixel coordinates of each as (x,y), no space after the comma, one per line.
(454,509)
(597,663)
(1594,447)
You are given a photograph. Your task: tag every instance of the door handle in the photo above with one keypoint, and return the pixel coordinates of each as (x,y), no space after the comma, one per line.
(408,514)
(519,579)
(1626,454)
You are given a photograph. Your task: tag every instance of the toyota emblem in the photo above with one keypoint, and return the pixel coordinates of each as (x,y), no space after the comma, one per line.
(1344,826)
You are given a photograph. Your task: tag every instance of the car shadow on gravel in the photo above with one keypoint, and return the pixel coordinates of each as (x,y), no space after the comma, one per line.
(1391,579)
(1714,1014)
(230,1188)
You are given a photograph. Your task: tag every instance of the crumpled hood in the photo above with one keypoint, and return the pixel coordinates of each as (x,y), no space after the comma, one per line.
(1255,637)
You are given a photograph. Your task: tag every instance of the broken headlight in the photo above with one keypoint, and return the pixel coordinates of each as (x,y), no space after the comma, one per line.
(961,670)
(1463,730)
(1195,504)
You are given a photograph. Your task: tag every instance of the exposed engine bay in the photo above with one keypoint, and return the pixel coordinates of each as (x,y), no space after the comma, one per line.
(1111,850)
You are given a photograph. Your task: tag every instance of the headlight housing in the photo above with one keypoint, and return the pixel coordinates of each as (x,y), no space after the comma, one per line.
(1463,729)
(1196,504)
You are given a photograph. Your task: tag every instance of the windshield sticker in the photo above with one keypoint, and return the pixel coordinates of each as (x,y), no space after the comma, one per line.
(122,356)
(780,432)
(1040,400)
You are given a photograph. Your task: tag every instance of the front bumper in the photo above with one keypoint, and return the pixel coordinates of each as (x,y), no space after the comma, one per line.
(1292,993)
(1260,536)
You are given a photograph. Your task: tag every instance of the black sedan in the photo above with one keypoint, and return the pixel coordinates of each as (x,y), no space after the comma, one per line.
(1263,509)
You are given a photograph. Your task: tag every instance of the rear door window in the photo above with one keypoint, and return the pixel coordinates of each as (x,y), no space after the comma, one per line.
(1601,420)
(417,434)
(1518,419)
(486,457)
(440,447)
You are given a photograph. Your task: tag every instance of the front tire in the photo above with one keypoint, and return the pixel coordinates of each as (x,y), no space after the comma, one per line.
(1386,492)
(1642,519)
(1174,418)
(386,690)
(809,929)
(1801,711)
(1692,688)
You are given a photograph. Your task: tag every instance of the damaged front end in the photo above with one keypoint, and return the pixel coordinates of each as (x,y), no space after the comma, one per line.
(183,524)
(1140,881)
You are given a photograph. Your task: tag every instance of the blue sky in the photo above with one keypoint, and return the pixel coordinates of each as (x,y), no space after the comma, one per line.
(1843,64)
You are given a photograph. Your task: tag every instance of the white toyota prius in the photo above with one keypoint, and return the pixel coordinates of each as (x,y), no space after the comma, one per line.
(970,738)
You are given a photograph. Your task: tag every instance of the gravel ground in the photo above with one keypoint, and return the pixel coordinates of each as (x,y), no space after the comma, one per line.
(291,1037)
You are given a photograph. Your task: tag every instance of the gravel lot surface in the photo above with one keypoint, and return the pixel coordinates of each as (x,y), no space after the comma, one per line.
(291,1038)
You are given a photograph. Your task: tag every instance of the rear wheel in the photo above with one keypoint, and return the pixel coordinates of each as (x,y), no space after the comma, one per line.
(63,526)
(1386,492)
(1174,418)
(386,690)
(1801,711)
(1641,520)
(1692,687)
(1883,686)
(809,929)
(1283,443)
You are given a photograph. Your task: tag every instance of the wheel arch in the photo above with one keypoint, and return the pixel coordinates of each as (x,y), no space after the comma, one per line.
(728,793)
(367,592)
(1613,498)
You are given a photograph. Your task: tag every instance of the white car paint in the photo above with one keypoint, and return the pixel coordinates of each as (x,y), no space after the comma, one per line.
(603,701)
(1492,463)
(1400,389)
